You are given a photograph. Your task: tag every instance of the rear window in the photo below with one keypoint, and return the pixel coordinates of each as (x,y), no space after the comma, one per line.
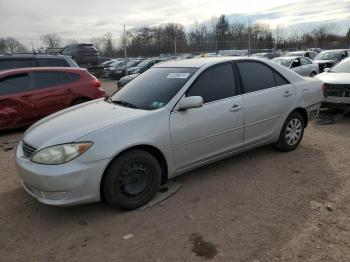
(52,62)
(14,84)
(16,63)
(50,79)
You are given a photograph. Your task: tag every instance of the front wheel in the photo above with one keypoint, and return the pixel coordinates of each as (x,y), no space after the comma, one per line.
(292,132)
(313,74)
(132,180)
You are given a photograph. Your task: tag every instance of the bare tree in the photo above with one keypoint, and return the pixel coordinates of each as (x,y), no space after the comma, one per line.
(98,43)
(12,45)
(51,40)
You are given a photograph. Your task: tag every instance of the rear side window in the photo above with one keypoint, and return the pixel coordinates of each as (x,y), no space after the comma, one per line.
(49,79)
(14,84)
(16,63)
(73,77)
(214,84)
(255,76)
(52,62)
(280,81)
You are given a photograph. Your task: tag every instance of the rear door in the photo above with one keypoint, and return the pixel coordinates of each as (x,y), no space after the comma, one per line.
(306,66)
(216,128)
(51,92)
(268,97)
(16,104)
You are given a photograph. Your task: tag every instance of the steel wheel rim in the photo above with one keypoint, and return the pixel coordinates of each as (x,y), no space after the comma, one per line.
(134,181)
(293,131)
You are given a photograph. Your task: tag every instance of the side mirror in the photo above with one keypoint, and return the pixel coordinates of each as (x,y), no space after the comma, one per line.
(326,69)
(190,102)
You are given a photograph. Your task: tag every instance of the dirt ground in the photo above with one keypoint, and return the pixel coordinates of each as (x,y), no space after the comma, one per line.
(262,205)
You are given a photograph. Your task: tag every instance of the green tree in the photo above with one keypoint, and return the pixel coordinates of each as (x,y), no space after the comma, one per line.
(222,31)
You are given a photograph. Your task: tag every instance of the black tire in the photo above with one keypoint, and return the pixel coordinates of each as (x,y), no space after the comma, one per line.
(132,180)
(291,127)
(313,74)
(80,101)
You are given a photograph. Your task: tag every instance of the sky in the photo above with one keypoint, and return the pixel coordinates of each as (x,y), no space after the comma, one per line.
(27,20)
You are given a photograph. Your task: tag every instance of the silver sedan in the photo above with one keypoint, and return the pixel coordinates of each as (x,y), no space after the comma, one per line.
(175,117)
(299,64)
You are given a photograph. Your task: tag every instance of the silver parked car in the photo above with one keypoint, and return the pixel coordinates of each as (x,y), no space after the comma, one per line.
(299,64)
(337,86)
(177,116)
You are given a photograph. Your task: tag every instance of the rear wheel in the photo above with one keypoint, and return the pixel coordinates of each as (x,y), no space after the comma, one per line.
(292,132)
(132,180)
(79,101)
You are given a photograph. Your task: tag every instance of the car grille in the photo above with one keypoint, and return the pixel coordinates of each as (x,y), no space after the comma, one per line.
(28,150)
(337,90)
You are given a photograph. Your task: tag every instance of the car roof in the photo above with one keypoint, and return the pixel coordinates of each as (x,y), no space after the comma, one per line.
(334,50)
(41,69)
(289,57)
(200,62)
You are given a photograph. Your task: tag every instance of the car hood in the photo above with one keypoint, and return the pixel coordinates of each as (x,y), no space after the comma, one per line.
(335,78)
(324,61)
(73,123)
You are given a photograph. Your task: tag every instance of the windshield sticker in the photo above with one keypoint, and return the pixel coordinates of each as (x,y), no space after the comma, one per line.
(157,104)
(178,75)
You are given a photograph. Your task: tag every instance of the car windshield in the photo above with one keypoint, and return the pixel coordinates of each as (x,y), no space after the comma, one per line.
(144,63)
(117,64)
(132,63)
(342,67)
(152,89)
(283,61)
(328,56)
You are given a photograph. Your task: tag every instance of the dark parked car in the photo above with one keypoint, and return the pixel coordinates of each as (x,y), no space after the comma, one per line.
(126,79)
(86,55)
(144,66)
(28,94)
(119,72)
(35,60)
(329,58)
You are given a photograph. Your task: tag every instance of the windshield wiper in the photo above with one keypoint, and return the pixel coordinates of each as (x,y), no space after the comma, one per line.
(123,103)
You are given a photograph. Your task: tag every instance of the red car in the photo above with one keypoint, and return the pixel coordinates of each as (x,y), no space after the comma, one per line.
(28,94)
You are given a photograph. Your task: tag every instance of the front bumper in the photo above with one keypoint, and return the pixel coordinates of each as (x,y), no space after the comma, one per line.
(67,184)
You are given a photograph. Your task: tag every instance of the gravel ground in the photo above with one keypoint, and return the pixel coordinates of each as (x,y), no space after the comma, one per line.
(262,205)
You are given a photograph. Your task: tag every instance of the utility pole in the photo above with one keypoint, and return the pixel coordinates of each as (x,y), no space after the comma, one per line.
(249,44)
(175,51)
(125,57)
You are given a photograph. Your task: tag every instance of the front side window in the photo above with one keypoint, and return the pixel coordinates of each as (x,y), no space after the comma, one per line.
(153,89)
(255,76)
(305,61)
(214,84)
(48,79)
(14,84)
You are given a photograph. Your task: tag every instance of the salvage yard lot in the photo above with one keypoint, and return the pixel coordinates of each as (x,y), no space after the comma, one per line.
(262,205)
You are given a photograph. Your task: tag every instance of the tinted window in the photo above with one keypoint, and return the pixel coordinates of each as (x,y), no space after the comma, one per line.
(14,84)
(49,79)
(255,76)
(52,62)
(15,63)
(154,88)
(214,84)
(73,77)
(280,81)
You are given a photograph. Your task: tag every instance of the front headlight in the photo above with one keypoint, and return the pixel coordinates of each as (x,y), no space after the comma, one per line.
(60,154)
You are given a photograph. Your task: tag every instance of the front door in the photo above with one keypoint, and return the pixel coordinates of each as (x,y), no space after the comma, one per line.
(216,128)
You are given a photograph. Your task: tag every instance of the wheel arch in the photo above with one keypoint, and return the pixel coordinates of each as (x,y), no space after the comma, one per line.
(147,148)
(303,112)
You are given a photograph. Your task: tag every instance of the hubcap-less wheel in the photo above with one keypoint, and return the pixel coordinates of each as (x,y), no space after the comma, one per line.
(293,131)
(134,180)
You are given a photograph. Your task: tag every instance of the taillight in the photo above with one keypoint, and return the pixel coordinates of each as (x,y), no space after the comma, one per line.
(96,83)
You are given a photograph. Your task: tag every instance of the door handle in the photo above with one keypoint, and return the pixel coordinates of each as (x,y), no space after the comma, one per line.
(235,108)
(287,94)
(68,91)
